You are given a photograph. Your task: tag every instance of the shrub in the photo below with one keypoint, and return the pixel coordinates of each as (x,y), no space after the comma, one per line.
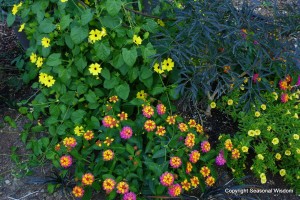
(217,47)
(269,134)
(95,101)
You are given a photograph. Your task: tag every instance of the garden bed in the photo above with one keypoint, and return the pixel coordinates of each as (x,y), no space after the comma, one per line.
(15,186)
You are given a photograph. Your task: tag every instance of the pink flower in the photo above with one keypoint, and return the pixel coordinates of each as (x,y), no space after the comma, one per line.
(161,109)
(66,161)
(220,160)
(148,111)
(175,162)
(205,146)
(129,196)
(298,81)
(255,78)
(167,179)
(174,190)
(194,156)
(126,132)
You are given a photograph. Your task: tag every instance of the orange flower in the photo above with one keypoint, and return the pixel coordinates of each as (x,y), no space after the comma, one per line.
(108,141)
(205,171)
(57,147)
(194,156)
(192,123)
(189,167)
(210,181)
(149,125)
(148,111)
(226,68)
(194,181)
(99,143)
(113,99)
(228,145)
(88,135)
(122,187)
(88,179)
(182,127)
(108,155)
(283,84)
(171,119)
(69,142)
(235,154)
(66,161)
(199,128)
(160,131)
(190,140)
(108,185)
(185,185)
(78,191)
(123,116)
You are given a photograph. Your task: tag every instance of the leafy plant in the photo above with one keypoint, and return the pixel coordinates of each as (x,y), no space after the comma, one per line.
(268,134)
(216,47)
(95,99)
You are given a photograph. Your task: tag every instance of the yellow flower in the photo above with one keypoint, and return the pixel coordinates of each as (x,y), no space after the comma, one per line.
(275,141)
(257,114)
(49,81)
(260,156)
(33,57)
(137,40)
(263,106)
(269,128)
(257,132)
(287,152)
(282,172)
(278,156)
(168,64)
(94,35)
(213,104)
(160,22)
(251,133)
(95,69)
(63,1)
(22,26)
(39,61)
(43,78)
(230,102)
(141,95)
(298,151)
(263,178)
(296,137)
(46,42)
(108,141)
(275,95)
(245,80)
(15,8)
(78,130)
(245,149)
(158,69)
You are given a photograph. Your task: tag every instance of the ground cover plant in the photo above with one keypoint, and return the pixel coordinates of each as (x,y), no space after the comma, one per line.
(106,116)
(268,139)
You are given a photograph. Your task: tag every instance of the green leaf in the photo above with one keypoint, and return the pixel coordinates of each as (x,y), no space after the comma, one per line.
(51,188)
(61,129)
(78,34)
(123,91)
(150,26)
(117,61)
(157,90)
(148,52)
(10,121)
(129,56)
(129,149)
(37,129)
(54,60)
(146,73)
(133,73)
(10,19)
(113,6)
(77,116)
(111,22)
(65,22)
(86,16)
(91,97)
(94,123)
(109,84)
(160,153)
(102,50)
(23,110)
(105,73)
(46,26)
